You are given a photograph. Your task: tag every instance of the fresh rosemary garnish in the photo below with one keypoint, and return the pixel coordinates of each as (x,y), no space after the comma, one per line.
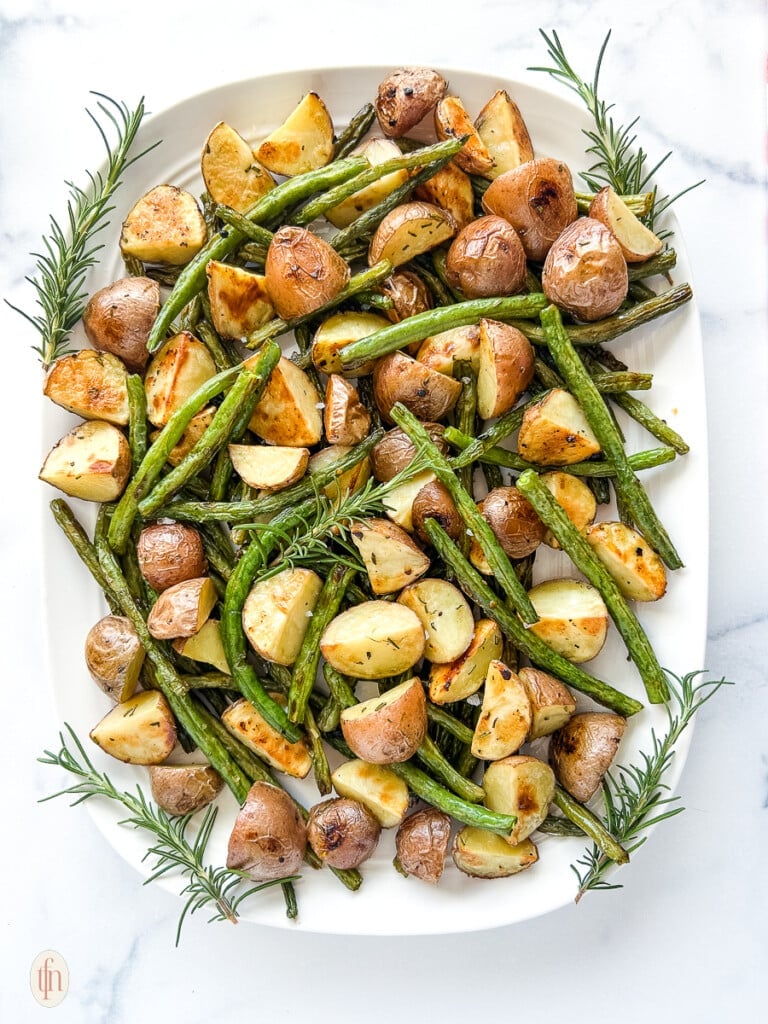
(618,162)
(215,887)
(635,795)
(70,252)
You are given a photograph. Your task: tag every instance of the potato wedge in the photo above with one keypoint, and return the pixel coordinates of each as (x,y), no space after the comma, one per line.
(114,656)
(245,723)
(552,703)
(289,410)
(269,837)
(376,787)
(450,189)
(165,226)
(484,854)
(196,427)
(389,728)
(169,553)
(573,619)
(452,121)
(376,151)
(555,431)
(276,613)
(182,609)
(230,170)
(373,640)
(582,750)
(506,368)
(406,96)
(428,394)
(92,462)
(239,299)
(574,497)
(459,679)
(445,615)
(303,272)
(303,142)
(184,788)
(119,317)
(338,331)
(408,231)
(205,646)
(92,385)
(345,418)
(140,730)
(398,502)
(391,558)
(637,569)
(422,844)
(523,786)
(442,351)
(176,371)
(505,718)
(268,467)
(638,243)
(347,482)
(503,131)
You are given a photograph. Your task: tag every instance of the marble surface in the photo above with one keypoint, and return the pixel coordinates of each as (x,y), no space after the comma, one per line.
(685,939)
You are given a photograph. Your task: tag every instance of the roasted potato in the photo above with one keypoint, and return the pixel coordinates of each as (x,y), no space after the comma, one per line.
(176,371)
(92,462)
(573,619)
(170,553)
(240,301)
(555,431)
(247,725)
(408,293)
(90,384)
(119,317)
(452,121)
(408,231)
(450,188)
(205,646)
(399,499)
(433,501)
(399,378)
(574,497)
(165,226)
(395,451)
(484,854)
(289,410)
(634,565)
(195,429)
(268,467)
(513,520)
(184,788)
(140,730)
(336,332)
(389,728)
(503,131)
(551,701)
(422,842)
(373,640)
(445,615)
(114,656)
(582,750)
(343,832)
(269,837)
(376,787)
(303,142)
(406,96)
(523,786)
(345,418)
(345,483)
(376,151)
(459,679)
(637,242)
(442,351)
(486,258)
(505,717)
(182,608)
(391,558)
(232,174)
(302,272)
(585,272)
(276,613)
(506,368)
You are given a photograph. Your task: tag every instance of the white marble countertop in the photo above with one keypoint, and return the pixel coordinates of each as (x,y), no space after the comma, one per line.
(685,939)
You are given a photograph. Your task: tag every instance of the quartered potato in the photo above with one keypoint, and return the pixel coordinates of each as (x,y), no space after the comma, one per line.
(205,646)
(247,725)
(348,482)
(581,752)
(450,188)
(389,728)
(410,230)
(551,701)
(409,296)
(484,854)
(398,502)
(506,368)
(459,679)
(442,351)
(555,431)
(303,142)
(165,226)
(195,429)
(92,385)
(391,558)
(523,786)
(574,497)
(637,569)
(268,467)
(376,787)
(338,331)
(428,394)
(119,317)
(395,451)
(505,717)
(289,410)
(585,272)
(239,299)
(176,371)
(302,272)
(452,121)
(277,611)
(503,131)
(573,619)
(184,788)
(513,520)
(230,170)
(140,730)
(114,656)
(182,609)
(373,640)
(346,419)
(92,462)
(433,501)
(445,615)
(269,837)
(638,243)
(376,151)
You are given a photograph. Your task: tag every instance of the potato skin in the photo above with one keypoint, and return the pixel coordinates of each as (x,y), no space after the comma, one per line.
(342,832)
(395,451)
(184,788)
(409,295)
(486,258)
(585,272)
(269,837)
(303,272)
(114,656)
(513,520)
(119,317)
(422,844)
(387,733)
(170,553)
(428,394)
(405,96)
(434,502)
(582,750)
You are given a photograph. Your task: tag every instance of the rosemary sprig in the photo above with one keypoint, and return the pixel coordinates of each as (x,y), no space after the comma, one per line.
(69,251)
(618,163)
(206,886)
(634,795)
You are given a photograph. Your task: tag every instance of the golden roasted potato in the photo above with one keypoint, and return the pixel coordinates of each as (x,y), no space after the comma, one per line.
(376,151)
(486,258)
(506,368)
(513,520)
(505,717)
(406,96)
(195,429)
(433,501)
(555,431)
(389,728)
(303,142)
(574,497)
(408,293)
(114,656)
(92,462)
(90,384)
(523,786)
(582,750)
(390,557)
(268,467)
(230,170)
(637,569)
(573,619)
(184,788)
(445,615)
(408,231)
(338,331)
(345,483)
(421,843)
(459,344)
(452,121)
(176,371)
(182,609)
(119,317)
(170,553)
(376,787)
(552,703)
(140,730)
(482,854)
(537,199)
(269,837)
(429,395)
(346,419)
(395,452)
(165,226)
(637,242)
(302,272)
(205,645)
(289,410)
(450,189)
(585,272)
(246,724)
(343,832)
(461,678)
(276,613)
(503,131)
(239,299)
(373,640)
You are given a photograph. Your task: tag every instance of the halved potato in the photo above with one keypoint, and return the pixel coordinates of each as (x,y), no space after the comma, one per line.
(452,121)
(169,553)
(408,231)
(484,854)
(303,272)
(505,718)
(176,371)
(90,384)
(373,640)
(585,272)
(184,788)
(239,299)
(376,151)
(638,243)
(486,258)
(277,611)
(503,131)
(182,609)
(346,419)
(114,656)
(345,483)
(523,786)
(376,787)
(574,497)
(445,615)
(119,317)
(92,462)
(442,351)
(269,837)
(459,679)
(164,226)
(391,558)
(343,832)
(406,96)
(637,569)
(552,703)
(205,645)
(573,619)
(433,501)
(289,410)
(246,724)
(395,451)
(428,394)
(409,296)
(422,844)
(450,189)
(398,501)
(555,431)
(514,521)
(268,467)
(338,331)
(582,750)
(230,170)
(141,730)
(506,368)
(195,429)
(389,728)
(303,142)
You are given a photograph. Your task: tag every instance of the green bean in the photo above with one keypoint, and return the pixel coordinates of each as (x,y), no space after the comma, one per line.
(137,418)
(591,825)
(341,688)
(84,549)
(321,768)
(451,724)
(212,342)
(247,228)
(354,132)
(661,264)
(640,204)
(606,382)
(433,759)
